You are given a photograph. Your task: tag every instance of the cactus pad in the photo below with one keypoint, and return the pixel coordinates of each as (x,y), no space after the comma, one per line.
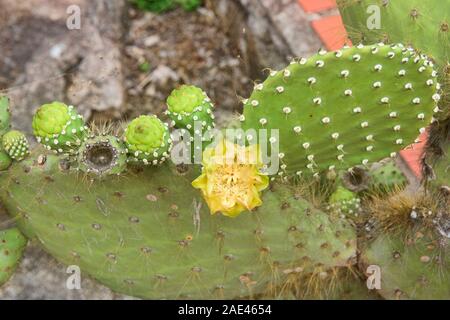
(16,145)
(148,233)
(387,177)
(12,244)
(412,267)
(340,109)
(5,159)
(424,24)
(58,127)
(148,140)
(4,116)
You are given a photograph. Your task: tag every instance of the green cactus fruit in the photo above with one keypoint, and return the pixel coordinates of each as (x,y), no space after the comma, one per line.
(344,203)
(12,244)
(387,177)
(416,266)
(342,109)
(15,144)
(102,155)
(5,159)
(5,116)
(59,127)
(188,106)
(148,233)
(148,140)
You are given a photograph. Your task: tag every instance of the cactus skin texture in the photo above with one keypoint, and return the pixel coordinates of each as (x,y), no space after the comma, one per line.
(15,144)
(12,244)
(5,159)
(5,116)
(147,233)
(441,170)
(340,109)
(408,238)
(424,24)
(189,104)
(388,177)
(59,127)
(148,140)
(102,155)
(413,267)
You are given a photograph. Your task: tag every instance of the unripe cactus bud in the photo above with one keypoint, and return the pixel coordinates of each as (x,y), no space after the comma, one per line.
(148,140)
(59,127)
(16,145)
(189,104)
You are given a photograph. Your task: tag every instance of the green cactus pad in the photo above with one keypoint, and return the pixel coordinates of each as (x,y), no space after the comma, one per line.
(340,109)
(102,155)
(344,202)
(424,24)
(5,159)
(15,144)
(148,233)
(5,116)
(413,267)
(12,244)
(148,140)
(188,105)
(59,127)
(387,177)
(441,169)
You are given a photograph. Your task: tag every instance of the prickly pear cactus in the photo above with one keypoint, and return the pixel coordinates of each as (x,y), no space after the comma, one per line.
(340,109)
(148,233)
(12,244)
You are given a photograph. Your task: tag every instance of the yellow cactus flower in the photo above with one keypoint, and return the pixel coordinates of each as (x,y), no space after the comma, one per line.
(231,181)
